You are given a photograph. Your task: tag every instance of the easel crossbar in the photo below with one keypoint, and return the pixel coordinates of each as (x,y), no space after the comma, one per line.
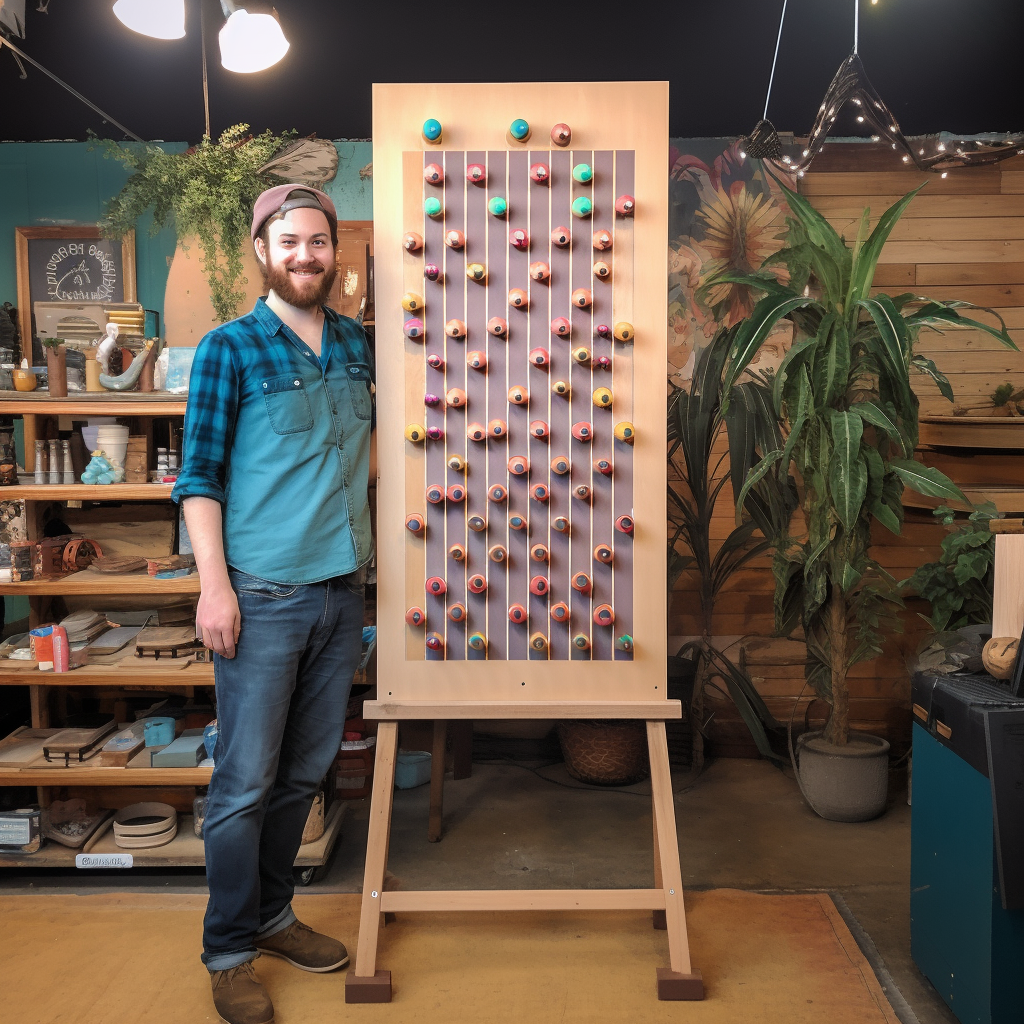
(426,710)
(524,899)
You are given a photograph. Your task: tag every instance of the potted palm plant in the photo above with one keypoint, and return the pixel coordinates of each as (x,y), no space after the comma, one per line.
(850,418)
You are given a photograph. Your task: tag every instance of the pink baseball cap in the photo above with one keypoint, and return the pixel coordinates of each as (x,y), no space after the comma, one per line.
(282,198)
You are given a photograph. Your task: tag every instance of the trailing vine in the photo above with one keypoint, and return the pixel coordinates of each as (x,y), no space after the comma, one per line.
(207,191)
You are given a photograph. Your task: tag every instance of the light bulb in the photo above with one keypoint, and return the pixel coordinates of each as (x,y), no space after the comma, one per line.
(251,42)
(161,19)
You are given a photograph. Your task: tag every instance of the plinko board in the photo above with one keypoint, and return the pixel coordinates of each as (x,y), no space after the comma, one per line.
(521,240)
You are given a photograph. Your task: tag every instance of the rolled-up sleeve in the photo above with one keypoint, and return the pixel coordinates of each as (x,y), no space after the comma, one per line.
(213,396)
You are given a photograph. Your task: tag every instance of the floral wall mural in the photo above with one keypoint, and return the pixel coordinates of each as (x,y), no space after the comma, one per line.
(724,213)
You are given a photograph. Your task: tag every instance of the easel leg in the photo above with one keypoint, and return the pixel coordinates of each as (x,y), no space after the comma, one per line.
(658,916)
(680,981)
(365,984)
(437,758)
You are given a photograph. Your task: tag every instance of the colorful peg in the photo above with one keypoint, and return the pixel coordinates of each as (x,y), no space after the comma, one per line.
(539,271)
(583,492)
(497,492)
(455,329)
(560,327)
(603,331)
(602,270)
(582,207)
(560,611)
(561,134)
(477,641)
(602,363)
(476,272)
(604,615)
(516,521)
(435,642)
(540,173)
(519,130)
(560,465)
(582,298)
(540,492)
(625,431)
(456,398)
(624,643)
(476,432)
(411,302)
(538,643)
(477,583)
(498,326)
(454,239)
(602,240)
(540,357)
(560,524)
(476,174)
(415,523)
(431,399)
(415,433)
(432,130)
(562,237)
(457,552)
(581,642)
(477,524)
(623,331)
(432,206)
(581,354)
(582,583)
(477,360)
(539,429)
(624,524)
(498,553)
(583,174)
(583,431)
(431,271)
(415,616)
(518,465)
(516,613)
(561,388)
(497,429)
(436,586)
(497,206)
(539,586)
(413,329)
(603,398)
(625,205)
(518,395)
(603,553)
(539,552)
(412,241)
(435,494)
(519,239)
(603,466)
(456,492)
(456,463)
(435,433)
(518,298)
(457,612)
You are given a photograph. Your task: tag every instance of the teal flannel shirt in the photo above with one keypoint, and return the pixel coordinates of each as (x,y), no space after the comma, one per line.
(282,440)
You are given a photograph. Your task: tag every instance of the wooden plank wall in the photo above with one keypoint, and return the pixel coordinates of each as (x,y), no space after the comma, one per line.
(961,238)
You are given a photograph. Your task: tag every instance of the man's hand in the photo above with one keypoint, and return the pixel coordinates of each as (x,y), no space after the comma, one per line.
(218,619)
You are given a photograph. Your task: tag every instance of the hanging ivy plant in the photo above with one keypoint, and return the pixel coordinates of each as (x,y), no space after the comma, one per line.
(208,191)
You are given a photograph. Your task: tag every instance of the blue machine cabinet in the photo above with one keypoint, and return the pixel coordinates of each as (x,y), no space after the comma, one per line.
(965,943)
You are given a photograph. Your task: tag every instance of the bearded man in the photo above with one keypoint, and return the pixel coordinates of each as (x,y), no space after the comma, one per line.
(275,471)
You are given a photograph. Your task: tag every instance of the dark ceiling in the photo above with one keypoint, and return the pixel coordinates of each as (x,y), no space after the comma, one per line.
(939,64)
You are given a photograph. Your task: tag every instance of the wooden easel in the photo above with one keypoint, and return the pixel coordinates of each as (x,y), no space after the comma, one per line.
(366,984)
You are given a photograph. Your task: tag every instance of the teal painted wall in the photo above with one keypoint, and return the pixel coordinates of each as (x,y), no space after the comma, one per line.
(56,183)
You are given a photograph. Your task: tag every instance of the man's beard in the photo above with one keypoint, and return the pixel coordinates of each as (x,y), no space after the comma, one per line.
(302,292)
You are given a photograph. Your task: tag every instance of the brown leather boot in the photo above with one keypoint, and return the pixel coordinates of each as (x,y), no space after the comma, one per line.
(239,996)
(304,948)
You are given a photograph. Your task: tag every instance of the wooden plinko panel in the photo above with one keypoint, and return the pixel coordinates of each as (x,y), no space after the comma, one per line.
(536,566)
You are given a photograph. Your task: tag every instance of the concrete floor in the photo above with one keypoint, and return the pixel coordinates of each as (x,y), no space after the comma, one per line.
(742,824)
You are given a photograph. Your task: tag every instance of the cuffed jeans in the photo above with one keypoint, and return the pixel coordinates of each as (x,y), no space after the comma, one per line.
(281,705)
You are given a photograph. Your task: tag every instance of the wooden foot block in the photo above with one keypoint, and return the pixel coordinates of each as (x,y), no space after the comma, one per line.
(658,920)
(679,986)
(370,990)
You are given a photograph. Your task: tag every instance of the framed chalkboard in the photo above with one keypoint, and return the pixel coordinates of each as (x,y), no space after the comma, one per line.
(71,264)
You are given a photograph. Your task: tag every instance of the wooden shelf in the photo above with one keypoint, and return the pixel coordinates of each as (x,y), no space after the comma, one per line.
(972,432)
(105,776)
(20,403)
(87,492)
(125,673)
(1007,499)
(85,582)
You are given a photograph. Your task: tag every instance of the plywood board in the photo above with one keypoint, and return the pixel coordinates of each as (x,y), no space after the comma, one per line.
(1008,589)
(628,155)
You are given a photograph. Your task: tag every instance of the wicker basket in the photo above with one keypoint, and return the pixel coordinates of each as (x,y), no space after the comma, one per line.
(605,752)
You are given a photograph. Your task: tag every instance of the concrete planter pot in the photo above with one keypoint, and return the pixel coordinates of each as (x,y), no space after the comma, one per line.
(848,783)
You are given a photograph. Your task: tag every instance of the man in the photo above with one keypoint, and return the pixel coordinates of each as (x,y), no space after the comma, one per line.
(274,481)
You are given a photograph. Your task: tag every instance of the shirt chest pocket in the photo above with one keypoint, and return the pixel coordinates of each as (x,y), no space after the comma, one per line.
(359,390)
(287,404)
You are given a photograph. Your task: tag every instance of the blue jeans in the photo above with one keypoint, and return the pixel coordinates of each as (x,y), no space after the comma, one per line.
(281,705)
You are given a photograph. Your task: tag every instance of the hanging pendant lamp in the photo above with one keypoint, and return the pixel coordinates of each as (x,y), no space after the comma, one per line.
(161,19)
(250,42)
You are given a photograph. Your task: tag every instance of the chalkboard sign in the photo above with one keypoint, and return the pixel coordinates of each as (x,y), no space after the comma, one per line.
(71,264)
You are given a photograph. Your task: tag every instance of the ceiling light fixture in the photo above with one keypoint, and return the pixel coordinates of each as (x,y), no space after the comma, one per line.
(250,42)
(161,19)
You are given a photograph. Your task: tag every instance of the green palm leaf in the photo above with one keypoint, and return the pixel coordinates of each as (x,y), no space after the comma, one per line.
(926,480)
